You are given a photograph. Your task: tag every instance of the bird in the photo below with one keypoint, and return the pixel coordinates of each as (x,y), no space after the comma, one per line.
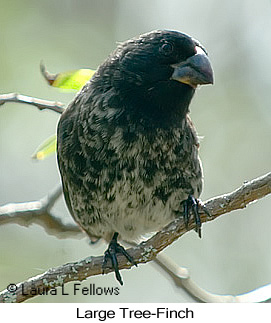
(127,149)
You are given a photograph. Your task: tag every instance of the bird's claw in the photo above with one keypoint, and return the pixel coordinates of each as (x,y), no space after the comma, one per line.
(111,253)
(192,205)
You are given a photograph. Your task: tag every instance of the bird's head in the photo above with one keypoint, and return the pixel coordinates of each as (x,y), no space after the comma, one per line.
(155,75)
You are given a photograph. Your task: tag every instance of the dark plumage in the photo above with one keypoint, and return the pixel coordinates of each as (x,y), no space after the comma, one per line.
(127,149)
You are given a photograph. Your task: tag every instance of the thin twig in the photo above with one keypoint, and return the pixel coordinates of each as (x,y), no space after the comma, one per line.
(144,252)
(39,103)
(49,77)
(39,212)
(182,279)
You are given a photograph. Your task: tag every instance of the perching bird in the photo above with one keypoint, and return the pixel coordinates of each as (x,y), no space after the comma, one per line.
(127,149)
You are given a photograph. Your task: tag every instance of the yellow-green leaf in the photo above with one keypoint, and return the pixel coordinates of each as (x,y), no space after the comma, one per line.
(47,148)
(71,80)
(74,80)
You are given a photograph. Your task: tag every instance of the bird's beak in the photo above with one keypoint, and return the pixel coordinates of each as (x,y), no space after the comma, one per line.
(195,70)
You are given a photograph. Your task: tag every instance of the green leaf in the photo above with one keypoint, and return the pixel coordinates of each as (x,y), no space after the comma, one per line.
(71,80)
(47,148)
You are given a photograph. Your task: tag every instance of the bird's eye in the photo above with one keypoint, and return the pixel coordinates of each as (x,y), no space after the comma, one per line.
(166,48)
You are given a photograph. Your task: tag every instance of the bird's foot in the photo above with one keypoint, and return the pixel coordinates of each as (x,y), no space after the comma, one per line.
(193,205)
(111,253)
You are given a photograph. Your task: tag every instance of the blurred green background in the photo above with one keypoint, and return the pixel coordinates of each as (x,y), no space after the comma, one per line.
(233,116)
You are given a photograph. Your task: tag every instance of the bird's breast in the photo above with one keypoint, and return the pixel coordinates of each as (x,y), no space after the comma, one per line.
(139,184)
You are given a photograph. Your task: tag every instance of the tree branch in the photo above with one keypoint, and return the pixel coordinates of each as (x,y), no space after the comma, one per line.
(39,212)
(145,251)
(39,103)
(182,279)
